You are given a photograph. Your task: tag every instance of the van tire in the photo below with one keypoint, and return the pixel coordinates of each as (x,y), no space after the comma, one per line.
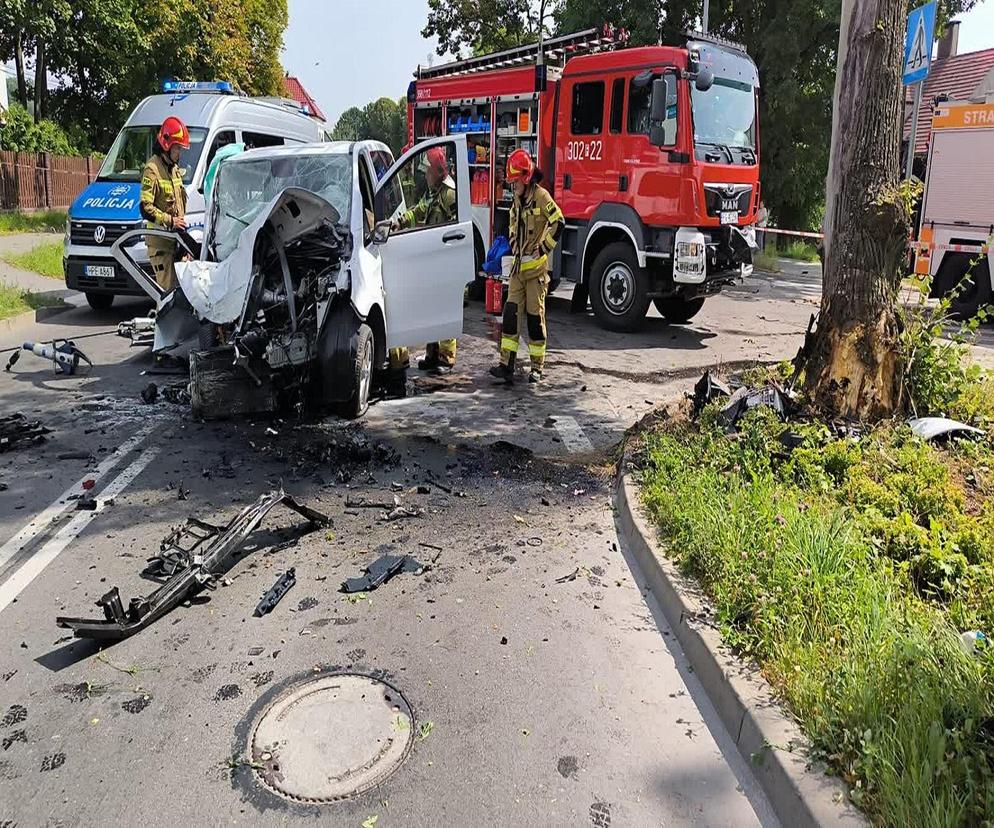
(99,301)
(972,297)
(619,288)
(361,378)
(676,310)
(477,289)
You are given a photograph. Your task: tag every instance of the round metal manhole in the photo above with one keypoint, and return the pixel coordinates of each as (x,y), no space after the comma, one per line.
(331,737)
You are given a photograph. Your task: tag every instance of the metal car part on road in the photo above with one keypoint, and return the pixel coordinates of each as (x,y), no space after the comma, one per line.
(189,568)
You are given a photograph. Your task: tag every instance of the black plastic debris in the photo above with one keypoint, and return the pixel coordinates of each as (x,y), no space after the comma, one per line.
(150,393)
(567,578)
(939,428)
(708,389)
(745,399)
(17,430)
(275,593)
(382,570)
(177,393)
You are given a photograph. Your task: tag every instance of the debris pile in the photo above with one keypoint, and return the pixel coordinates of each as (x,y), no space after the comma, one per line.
(347,452)
(16,430)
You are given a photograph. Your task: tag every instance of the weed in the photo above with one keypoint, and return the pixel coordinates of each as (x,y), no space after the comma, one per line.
(801,251)
(43,221)
(45,259)
(14,301)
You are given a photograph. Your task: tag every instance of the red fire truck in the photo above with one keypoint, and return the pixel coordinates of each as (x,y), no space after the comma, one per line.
(652,153)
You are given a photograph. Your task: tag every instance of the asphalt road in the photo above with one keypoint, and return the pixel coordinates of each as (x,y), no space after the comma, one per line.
(554,691)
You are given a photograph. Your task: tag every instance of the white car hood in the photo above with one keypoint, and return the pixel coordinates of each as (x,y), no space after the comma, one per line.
(218,291)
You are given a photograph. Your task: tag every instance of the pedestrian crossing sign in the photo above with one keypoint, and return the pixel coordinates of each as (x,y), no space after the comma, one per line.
(918,43)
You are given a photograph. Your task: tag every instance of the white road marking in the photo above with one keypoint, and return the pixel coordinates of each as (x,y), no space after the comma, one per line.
(33,566)
(574,439)
(44,518)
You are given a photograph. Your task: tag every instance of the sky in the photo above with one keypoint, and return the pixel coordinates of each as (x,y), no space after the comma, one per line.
(350,52)
(977,27)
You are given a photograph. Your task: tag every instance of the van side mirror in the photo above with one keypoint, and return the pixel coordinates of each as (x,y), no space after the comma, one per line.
(381,232)
(704,80)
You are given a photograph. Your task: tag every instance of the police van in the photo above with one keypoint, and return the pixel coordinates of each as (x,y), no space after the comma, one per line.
(216,115)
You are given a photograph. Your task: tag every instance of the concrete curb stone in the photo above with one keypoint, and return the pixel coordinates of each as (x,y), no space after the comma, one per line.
(798,789)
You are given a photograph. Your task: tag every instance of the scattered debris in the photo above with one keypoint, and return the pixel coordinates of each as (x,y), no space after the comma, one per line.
(150,393)
(74,455)
(571,577)
(87,503)
(503,640)
(275,593)
(935,428)
(745,399)
(16,429)
(177,393)
(63,354)
(190,558)
(382,570)
(89,483)
(708,389)
(401,512)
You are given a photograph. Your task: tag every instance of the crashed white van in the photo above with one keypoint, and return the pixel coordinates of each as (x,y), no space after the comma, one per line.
(300,287)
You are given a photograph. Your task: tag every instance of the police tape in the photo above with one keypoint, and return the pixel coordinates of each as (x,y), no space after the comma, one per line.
(801,233)
(928,247)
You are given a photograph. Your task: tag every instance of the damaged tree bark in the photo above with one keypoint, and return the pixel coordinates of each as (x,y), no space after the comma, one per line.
(853,361)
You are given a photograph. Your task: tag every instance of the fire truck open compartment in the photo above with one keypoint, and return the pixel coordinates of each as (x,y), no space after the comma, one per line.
(659,205)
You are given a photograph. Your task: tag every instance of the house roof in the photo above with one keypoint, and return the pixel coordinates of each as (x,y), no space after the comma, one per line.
(295,89)
(957,76)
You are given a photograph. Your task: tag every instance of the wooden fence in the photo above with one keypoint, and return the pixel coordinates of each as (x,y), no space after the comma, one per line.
(42,181)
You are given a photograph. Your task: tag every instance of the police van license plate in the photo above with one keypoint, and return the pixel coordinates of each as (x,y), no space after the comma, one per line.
(730,217)
(99,272)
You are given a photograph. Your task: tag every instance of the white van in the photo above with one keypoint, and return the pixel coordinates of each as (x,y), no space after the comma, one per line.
(215,115)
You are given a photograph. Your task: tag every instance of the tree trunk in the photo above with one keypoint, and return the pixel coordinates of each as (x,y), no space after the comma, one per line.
(41,80)
(853,365)
(22,85)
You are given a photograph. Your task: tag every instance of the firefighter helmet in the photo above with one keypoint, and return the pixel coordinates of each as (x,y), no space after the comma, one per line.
(520,166)
(173,131)
(438,162)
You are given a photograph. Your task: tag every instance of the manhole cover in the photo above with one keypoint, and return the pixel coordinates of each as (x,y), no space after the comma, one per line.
(332,737)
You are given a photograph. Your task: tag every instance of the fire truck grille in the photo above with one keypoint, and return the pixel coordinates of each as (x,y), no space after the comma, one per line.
(724,198)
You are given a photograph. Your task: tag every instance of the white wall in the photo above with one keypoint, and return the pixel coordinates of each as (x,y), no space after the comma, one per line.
(4,74)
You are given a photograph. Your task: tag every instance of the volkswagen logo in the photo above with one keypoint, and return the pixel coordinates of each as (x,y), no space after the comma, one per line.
(119,190)
(100,234)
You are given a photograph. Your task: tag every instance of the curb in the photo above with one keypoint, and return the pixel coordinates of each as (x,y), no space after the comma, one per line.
(799,791)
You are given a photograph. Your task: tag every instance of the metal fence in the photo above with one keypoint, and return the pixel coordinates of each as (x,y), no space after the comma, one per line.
(42,181)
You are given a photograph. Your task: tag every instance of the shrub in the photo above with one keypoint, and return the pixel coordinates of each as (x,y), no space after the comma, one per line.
(20,133)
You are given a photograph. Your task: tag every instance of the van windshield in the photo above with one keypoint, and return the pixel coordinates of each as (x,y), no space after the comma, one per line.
(245,186)
(134,146)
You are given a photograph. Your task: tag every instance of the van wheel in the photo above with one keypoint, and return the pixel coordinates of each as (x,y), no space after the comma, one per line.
(99,301)
(676,310)
(361,374)
(619,288)
(970,296)
(478,287)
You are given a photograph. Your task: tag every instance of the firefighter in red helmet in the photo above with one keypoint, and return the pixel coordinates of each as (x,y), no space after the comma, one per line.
(535,227)
(437,206)
(163,197)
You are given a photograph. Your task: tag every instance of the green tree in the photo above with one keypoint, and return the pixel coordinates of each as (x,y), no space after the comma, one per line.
(351,126)
(20,133)
(481,26)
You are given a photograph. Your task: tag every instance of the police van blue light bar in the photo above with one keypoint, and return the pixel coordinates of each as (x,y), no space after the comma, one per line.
(223,87)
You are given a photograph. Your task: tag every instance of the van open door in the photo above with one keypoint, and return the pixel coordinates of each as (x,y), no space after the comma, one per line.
(429,258)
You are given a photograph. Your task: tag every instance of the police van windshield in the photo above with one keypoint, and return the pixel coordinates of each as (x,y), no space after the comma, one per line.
(244,186)
(725,115)
(134,146)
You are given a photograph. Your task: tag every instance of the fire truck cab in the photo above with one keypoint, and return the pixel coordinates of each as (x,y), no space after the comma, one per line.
(652,153)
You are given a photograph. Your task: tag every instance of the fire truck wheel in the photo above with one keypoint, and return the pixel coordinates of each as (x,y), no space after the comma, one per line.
(619,288)
(676,311)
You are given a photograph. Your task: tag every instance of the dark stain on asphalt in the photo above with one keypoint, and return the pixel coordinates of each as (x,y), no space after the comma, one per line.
(567,766)
(73,693)
(136,705)
(201,674)
(344,622)
(509,559)
(14,738)
(600,815)
(15,714)
(357,654)
(228,692)
(597,570)
(262,679)
(307,603)
(53,762)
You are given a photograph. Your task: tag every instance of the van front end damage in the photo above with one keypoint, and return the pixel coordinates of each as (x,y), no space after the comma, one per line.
(251,325)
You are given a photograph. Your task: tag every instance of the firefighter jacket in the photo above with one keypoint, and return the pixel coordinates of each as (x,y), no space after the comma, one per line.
(163,195)
(536,224)
(436,207)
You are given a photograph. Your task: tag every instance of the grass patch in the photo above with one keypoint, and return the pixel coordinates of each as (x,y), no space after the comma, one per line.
(40,222)
(800,250)
(14,301)
(45,259)
(847,569)
(763,261)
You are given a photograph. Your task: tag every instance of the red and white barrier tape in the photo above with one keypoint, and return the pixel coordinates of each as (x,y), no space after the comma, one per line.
(801,233)
(928,247)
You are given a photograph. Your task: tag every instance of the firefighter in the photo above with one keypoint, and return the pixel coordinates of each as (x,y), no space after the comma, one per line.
(437,206)
(163,198)
(536,224)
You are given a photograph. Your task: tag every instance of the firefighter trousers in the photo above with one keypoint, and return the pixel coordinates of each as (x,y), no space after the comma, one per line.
(444,353)
(162,257)
(528,291)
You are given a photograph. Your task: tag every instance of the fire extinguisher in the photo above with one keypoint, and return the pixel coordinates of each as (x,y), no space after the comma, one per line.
(494,297)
